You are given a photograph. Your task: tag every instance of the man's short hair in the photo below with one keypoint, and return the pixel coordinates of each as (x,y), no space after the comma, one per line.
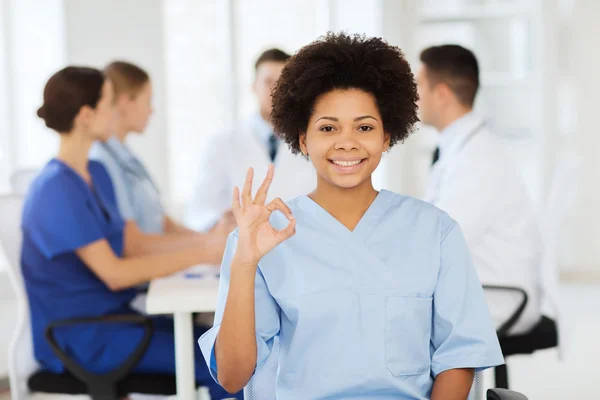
(455,66)
(272,55)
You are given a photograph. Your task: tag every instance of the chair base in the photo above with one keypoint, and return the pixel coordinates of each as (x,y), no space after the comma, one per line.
(65,383)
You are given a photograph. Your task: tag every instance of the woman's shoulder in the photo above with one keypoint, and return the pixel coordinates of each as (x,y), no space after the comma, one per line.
(397,200)
(419,214)
(54,177)
(54,188)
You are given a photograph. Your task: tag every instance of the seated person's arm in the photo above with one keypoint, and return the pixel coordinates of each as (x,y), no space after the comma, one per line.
(122,273)
(138,243)
(173,227)
(453,384)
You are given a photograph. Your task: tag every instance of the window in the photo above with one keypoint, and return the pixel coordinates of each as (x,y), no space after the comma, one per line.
(33,44)
(198,84)
(4,109)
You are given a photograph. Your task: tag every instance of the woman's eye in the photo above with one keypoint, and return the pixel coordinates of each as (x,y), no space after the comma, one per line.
(327,129)
(365,128)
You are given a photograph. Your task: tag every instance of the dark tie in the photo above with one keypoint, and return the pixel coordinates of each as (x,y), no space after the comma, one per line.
(273,144)
(436,155)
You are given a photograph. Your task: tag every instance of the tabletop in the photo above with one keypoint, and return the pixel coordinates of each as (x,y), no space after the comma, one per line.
(192,290)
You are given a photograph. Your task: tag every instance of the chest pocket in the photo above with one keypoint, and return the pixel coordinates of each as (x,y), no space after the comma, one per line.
(407,335)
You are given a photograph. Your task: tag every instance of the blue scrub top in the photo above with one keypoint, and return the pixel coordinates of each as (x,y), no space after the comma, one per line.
(62,213)
(137,196)
(373,313)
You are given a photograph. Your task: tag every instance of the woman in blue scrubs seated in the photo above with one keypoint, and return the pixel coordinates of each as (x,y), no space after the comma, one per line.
(79,259)
(373,295)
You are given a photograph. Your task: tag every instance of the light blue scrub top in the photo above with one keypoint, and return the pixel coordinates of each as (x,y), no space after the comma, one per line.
(374,313)
(137,195)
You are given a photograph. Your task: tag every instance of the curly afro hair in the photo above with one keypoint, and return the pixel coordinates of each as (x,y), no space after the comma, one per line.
(341,61)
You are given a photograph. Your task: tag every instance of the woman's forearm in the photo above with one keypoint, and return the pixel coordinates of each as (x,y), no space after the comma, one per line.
(235,347)
(121,273)
(172,227)
(453,384)
(149,244)
(137,270)
(139,244)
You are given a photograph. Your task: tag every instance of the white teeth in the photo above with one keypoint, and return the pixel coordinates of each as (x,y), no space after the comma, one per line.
(346,163)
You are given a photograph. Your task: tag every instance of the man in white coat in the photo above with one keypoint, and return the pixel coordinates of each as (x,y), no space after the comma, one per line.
(477,185)
(251,144)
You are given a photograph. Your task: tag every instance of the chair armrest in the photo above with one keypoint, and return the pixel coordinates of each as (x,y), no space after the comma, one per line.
(504,394)
(101,386)
(502,331)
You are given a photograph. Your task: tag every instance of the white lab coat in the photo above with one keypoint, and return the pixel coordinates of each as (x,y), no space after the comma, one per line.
(475,182)
(224,165)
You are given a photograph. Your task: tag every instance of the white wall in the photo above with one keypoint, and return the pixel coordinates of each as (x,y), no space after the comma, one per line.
(8,311)
(583,59)
(101,31)
(32,48)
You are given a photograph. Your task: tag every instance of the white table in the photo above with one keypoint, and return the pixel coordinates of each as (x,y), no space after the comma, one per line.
(181,294)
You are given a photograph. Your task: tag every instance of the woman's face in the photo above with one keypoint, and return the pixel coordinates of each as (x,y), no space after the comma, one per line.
(344,138)
(101,117)
(135,110)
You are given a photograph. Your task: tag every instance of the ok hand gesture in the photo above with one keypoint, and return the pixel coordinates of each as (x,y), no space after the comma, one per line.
(256,234)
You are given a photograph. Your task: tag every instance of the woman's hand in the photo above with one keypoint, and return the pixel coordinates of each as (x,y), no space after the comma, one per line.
(256,234)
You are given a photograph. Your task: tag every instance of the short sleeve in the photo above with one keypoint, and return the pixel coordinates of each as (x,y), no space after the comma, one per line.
(119,186)
(463,334)
(60,218)
(266,310)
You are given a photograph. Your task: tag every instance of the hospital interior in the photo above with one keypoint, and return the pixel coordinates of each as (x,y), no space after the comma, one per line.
(537,75)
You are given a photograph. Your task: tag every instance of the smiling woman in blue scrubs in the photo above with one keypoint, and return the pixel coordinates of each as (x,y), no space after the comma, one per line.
(373,295)
(79,258)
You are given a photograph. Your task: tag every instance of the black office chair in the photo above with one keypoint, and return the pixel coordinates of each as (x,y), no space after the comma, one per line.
(113,385)
(504,394)
(544,335)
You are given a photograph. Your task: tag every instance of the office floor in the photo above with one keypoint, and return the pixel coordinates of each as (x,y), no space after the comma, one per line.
(542,376)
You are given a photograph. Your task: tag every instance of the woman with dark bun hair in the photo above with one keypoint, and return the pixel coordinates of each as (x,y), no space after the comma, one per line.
(78,260)
(372,294)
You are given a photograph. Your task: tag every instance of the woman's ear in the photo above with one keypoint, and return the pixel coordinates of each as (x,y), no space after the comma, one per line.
(302,140)
(83,117)
(386,142)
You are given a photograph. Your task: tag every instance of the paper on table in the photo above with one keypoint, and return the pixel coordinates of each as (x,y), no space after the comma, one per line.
(202,271)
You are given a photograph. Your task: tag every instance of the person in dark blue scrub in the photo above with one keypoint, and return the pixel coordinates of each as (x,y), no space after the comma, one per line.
(79,258)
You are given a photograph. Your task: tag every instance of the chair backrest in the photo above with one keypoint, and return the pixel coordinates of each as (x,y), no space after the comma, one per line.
(21,179)
(21,362)
(562,195)
(262,384)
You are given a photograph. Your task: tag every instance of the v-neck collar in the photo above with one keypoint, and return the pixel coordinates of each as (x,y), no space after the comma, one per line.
(95,197)
(364,226)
